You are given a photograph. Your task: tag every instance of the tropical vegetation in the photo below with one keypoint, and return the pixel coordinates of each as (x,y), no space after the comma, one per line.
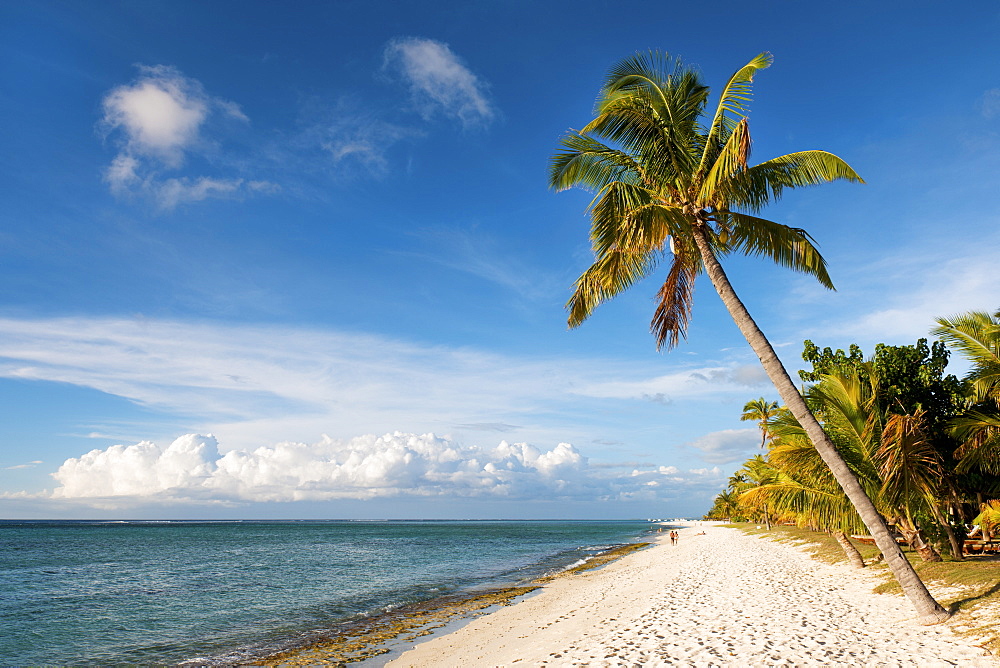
(923,443)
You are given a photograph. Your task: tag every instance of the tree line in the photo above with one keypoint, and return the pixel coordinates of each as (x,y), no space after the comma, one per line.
(924,444)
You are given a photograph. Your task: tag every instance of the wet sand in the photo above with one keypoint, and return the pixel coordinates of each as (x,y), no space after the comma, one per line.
(719,599)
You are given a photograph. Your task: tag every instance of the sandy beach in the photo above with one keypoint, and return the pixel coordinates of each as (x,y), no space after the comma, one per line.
(718,599)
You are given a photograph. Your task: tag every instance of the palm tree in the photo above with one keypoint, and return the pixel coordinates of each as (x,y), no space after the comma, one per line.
(726,506)
(757,472)
(977,336)
(666,180)
(762,412)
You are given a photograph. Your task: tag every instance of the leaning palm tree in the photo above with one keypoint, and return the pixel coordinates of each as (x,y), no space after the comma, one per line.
(667,178)
(762,412)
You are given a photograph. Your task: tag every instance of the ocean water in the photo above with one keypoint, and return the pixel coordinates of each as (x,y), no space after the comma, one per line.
(106,593)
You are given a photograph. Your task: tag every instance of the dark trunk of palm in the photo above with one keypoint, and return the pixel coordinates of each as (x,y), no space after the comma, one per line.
(956,548)
(850,551)
(927,608)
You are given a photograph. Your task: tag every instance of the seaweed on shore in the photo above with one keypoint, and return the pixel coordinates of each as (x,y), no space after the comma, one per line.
(366,638)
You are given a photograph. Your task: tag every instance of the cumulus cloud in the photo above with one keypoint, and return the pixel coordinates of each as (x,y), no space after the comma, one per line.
(157,121)
(438,80)
(727,446)
(160,114)
(191,469)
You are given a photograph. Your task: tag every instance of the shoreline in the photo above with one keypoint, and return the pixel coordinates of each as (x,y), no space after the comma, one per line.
(375,641)
(721,598)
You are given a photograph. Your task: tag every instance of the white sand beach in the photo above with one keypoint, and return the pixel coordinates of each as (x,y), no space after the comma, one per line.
(718,599)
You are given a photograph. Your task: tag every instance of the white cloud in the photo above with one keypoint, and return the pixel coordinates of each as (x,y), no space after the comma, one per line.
(251,385)
(363,140)
(172,192)
(160,114)
(728,445)
(688,383)
(29,465)
(903,295)
(476,253)
(438,81)
(398,464)
(158,121)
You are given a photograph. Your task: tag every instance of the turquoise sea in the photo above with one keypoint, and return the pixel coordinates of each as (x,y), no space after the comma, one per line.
(157,592)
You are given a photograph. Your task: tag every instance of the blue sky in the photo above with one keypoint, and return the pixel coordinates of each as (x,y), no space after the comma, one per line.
(261,261)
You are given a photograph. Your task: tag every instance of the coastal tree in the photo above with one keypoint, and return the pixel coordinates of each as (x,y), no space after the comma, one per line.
(670,180)
(976,335)
(762,412)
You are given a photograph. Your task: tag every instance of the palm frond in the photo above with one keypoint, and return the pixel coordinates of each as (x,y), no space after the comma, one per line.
(976,335)
(674,300)
(732,159)
(734,100)
(786,246)
(979,432)
(609,275)
(911,469)
(590,164)
(755,187)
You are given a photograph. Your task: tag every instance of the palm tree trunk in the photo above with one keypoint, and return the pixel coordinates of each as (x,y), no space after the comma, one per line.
(928,609)
(850,551)
(915,537)
(956,549)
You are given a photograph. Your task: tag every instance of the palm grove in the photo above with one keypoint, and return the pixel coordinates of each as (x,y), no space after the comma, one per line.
(925,445)
(673,186)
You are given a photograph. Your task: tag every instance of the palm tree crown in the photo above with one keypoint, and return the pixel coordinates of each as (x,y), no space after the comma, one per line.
(661,169)
(762,412)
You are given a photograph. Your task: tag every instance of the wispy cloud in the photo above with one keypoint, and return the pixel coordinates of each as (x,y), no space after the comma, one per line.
(728,445)
(353,134)
(989,104)
(29,465)
(254,385)
(439,83)
(157,122)
(898,298)
(688,383)
(479,254)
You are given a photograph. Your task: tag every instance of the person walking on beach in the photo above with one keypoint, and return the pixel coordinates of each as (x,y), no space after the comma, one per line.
(673,537)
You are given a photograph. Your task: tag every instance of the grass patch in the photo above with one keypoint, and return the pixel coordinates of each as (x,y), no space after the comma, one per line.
(969,588)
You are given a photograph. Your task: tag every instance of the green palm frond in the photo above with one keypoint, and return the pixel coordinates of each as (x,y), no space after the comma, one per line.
(909,466)
(658,170)
(608,276)
(733,106)
(590,164)
(732,159)
(759,185)
(976,335)
(979,433)
(786,246)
